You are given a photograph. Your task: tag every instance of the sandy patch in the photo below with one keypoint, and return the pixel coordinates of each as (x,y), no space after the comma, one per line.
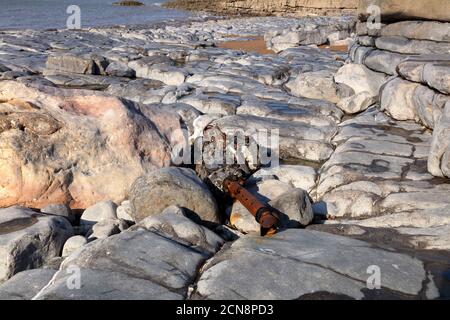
(254,45)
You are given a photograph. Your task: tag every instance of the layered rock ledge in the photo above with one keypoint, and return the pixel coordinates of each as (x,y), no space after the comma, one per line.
(296,8)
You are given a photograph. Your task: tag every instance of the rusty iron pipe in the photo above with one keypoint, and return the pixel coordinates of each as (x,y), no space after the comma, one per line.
(264,215)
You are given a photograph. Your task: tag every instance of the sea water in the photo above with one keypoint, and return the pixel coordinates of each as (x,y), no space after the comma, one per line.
(49,14)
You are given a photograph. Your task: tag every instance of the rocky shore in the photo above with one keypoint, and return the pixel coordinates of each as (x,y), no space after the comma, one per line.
(93,206)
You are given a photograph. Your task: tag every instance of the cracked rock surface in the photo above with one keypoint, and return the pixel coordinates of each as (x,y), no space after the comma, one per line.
(90,120)
(304,256)
(157,259)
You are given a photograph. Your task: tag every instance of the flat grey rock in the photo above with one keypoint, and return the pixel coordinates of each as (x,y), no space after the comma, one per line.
(214,103)
(309,111)
(296,263)
(159,68)
(383,61)
(297,140)
(407,46)
(26,284)
(117,69)
(358,53)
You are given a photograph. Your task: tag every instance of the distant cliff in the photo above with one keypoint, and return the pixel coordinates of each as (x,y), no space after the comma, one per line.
(269,7)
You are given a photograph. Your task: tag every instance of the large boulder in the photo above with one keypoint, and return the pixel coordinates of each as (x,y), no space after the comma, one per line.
(152,193)
(77,147)
(396,98)
(360,78)
(397,10)
(358,102)
(365,84)
(157,259)
(298,264)
(29,240)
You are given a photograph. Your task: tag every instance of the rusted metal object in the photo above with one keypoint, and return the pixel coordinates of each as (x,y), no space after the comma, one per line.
(227,180)
(264,215)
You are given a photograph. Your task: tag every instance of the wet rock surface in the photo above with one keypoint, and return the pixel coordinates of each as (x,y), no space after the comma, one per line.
(90,121)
